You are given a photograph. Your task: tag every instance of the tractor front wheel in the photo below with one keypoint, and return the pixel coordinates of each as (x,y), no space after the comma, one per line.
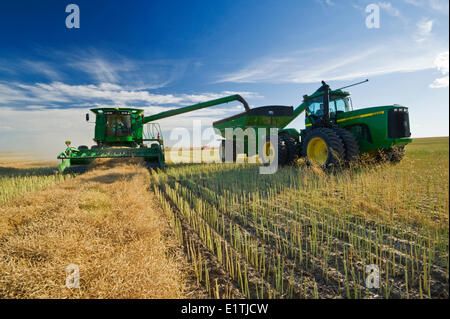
(324,148)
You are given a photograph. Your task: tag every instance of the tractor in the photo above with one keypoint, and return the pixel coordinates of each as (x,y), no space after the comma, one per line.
(334,135)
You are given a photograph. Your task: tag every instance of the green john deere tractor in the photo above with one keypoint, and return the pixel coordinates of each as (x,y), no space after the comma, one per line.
(124,132)
(334,133)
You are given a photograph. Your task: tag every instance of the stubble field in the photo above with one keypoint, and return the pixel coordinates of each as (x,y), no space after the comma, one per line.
(223,230)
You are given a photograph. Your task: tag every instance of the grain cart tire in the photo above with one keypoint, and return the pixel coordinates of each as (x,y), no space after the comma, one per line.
(222,150)
(323,147)
(292,148)
(351,147)
(268,150)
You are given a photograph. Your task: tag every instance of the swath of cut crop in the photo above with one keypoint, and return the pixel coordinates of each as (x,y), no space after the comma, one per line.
(107,223)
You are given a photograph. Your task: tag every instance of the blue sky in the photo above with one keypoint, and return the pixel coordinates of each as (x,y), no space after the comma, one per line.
(161,54)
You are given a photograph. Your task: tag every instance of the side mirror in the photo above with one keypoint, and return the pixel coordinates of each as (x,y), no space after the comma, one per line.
(87,117)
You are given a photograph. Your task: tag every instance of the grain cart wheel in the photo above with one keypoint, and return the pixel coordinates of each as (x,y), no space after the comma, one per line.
(292,148)
(267,151)
(351,147)
(222,148)
(323,147)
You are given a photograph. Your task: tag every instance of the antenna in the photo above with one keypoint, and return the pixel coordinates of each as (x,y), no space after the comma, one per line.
(367,80)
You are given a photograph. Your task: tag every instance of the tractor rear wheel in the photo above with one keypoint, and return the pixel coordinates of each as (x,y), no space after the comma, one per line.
(323,147)
(351,146)
(83,147)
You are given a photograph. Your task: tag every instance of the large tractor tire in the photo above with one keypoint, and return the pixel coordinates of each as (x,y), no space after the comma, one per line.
(222,150)
(267,151)
(292,148)
(83,147)
(324,148)
(351,147)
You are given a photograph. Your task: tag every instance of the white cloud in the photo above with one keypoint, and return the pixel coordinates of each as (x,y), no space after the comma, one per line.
(97,67)
(337,63)
(44,131)
(43,68)
(440,6)
(326,2)
(35,117)
(442,82)
(391,10)
(62,94)
(442,65)
(424,28)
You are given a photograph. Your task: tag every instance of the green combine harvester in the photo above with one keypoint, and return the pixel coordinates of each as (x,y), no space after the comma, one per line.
(334,133)
(122,133)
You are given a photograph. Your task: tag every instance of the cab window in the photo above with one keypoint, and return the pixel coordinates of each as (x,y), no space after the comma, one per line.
(316,107)
(340,105)
(118,125)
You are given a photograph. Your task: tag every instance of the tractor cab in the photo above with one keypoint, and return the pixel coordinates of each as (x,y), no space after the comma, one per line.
(339,102)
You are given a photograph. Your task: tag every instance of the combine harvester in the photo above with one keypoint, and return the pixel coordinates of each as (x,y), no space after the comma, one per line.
(334,133)
(121,133)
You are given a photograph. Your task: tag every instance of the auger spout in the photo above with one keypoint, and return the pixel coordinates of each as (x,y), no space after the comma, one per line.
(195,107)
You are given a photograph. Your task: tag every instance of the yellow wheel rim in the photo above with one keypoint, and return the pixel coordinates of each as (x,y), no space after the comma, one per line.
(268,153)
(317,151)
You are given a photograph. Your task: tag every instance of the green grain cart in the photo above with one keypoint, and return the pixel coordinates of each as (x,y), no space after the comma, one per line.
(334,133)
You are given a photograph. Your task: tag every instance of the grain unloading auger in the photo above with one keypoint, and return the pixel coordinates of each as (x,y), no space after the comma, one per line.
(334,133)
(121,133)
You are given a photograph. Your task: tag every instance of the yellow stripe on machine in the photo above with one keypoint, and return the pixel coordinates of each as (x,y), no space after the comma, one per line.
(360,116)
(355,117)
